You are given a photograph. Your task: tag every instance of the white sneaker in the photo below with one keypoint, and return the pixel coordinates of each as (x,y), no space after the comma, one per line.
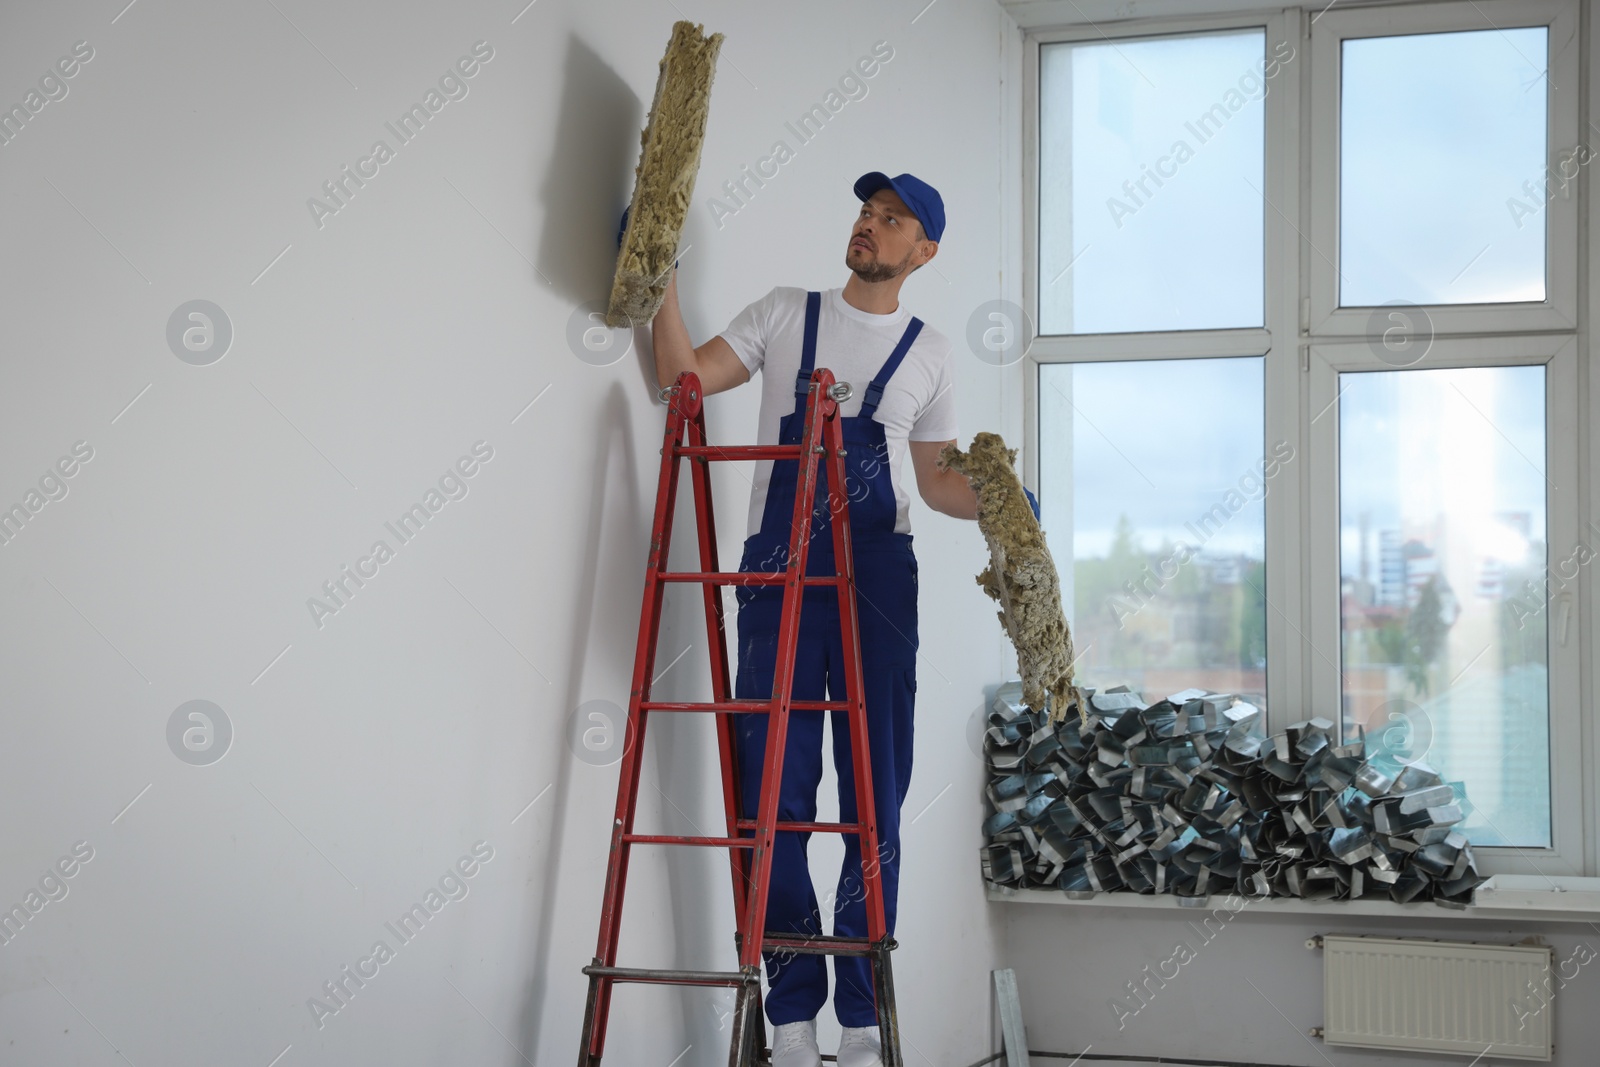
(859,1047)
(795,1045)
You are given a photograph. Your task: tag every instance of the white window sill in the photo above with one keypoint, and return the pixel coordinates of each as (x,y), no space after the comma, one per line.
(1503,898)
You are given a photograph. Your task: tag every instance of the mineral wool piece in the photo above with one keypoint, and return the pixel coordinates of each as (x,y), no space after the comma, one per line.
(1021,576)
(669,160)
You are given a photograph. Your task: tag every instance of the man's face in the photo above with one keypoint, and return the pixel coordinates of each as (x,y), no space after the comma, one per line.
(885,239)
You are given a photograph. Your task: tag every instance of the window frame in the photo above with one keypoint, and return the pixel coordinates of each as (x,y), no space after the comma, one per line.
(1306,340)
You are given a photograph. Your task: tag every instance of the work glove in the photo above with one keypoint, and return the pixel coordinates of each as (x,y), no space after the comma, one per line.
(1033,501)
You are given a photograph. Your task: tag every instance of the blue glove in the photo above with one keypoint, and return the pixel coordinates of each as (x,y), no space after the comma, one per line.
(1033,501)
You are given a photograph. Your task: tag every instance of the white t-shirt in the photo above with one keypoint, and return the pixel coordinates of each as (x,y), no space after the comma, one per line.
(918,403)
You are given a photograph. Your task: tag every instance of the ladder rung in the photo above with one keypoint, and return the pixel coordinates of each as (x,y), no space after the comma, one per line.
(746,577)
(726,577)
(820,946)
(669,839)
(635,974)
(737,452)
(732,706)
(807,827)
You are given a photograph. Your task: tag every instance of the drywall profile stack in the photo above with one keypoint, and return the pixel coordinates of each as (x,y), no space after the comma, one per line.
(669,160)
(1185,796)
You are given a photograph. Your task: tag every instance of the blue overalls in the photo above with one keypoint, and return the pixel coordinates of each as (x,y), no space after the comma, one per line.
(886,606)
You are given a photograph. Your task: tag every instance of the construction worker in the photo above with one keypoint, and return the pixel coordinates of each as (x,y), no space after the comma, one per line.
(902,401)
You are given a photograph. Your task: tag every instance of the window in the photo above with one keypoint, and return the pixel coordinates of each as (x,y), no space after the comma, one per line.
(1150,209)
(1377,290)
(1165,530)
(1439,133)
(1442,533)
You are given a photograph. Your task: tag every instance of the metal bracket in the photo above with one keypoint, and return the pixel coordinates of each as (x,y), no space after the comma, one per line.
(1016,1042)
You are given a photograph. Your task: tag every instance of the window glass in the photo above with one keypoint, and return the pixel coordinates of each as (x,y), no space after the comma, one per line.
(1443,598)
(1151,182)
(1153,477)
(1443,184)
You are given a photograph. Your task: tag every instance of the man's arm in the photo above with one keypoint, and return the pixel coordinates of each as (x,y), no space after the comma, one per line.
(944,490)
(715,362)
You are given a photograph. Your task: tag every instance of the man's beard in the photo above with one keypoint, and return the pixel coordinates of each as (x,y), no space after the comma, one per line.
(882,272)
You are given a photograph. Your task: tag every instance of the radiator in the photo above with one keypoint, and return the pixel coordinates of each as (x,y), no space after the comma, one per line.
(1437,996)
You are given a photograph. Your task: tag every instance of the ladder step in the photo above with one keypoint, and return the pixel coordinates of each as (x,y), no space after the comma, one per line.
(820,946)
(806,827)
(746,577)
(738,452)
(731,706)
(670,839)
(662,977)
(743,842)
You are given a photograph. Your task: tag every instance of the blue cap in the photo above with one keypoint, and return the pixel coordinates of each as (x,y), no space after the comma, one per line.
(922,198)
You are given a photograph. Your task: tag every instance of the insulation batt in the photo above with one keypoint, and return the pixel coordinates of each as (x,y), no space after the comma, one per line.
(669,160)
(1021,576)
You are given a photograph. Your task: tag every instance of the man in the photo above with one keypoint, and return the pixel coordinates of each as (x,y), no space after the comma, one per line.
(902,401)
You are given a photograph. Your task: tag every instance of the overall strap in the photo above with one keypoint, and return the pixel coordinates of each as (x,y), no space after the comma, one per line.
(875,389)
(808,353)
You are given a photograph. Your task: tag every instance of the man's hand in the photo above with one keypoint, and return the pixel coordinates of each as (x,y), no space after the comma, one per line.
(944,490)
(715,362)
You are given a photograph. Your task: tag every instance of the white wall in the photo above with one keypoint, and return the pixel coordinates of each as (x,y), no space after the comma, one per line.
(371,752)
(1074,965)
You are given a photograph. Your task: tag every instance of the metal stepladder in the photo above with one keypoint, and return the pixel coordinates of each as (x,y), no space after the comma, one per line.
(749,841)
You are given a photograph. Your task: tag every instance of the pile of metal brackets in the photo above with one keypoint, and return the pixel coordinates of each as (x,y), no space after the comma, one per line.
(1185,796)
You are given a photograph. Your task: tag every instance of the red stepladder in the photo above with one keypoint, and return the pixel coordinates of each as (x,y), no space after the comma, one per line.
(749,841)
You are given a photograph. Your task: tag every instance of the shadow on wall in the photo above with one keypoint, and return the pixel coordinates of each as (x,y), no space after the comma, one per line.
(613,450)
(590,179)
